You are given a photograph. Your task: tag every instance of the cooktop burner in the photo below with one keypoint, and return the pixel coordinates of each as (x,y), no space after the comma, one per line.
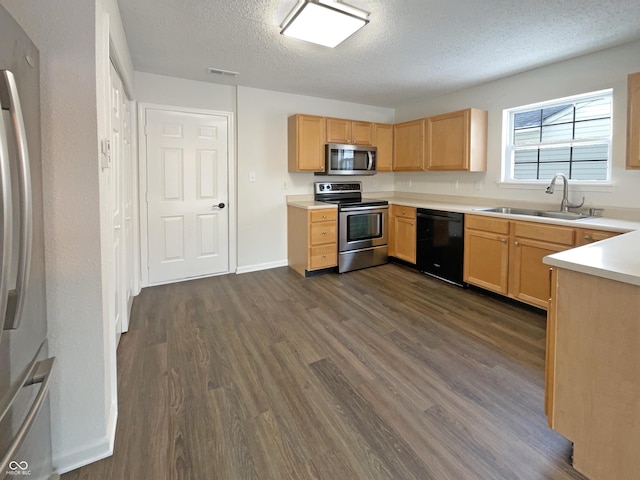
(344,194)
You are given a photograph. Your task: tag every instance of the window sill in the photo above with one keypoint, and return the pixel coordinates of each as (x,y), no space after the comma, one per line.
(574,186)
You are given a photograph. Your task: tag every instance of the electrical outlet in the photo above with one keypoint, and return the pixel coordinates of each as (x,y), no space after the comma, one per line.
(252,177)
(285,184)
(409,183)
(454,184)
(478,184)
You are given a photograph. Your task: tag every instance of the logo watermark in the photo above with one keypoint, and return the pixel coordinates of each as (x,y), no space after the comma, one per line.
(18,468)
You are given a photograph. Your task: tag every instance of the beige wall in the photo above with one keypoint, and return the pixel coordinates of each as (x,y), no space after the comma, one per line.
(597,71)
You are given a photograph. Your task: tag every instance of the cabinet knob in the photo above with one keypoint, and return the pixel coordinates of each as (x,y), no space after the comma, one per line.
(587,237)
(324,232)
(516,243)
(324,216)
(504,240)
(324,255)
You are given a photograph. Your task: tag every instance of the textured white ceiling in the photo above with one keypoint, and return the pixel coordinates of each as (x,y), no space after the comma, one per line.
(410,49)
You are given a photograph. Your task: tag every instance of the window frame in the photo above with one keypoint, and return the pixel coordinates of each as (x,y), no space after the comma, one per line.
(508,148)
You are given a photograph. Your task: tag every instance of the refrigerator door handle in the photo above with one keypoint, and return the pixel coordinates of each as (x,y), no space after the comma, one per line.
(16,298)
(41,375)
(7,215)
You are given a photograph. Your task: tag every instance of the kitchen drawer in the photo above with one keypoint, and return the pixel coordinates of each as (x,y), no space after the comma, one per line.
(586,236)
(323,257)
(545,233)
(404,212)
(325,215)
(323,232)
(487,224)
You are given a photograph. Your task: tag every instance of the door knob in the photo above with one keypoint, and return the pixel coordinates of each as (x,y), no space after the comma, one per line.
(220,205)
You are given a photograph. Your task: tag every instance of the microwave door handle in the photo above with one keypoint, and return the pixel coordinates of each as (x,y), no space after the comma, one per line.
(17,297)
(370,164)
(7,214)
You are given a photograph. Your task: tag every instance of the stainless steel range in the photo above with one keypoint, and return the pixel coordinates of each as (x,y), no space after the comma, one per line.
(362,225)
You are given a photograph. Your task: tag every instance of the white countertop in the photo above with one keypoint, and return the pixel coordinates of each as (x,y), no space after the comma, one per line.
(310,204)
(616,258)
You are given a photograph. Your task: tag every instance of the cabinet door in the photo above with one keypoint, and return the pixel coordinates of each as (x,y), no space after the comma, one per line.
(408,146)
(457,141)
(338,130)
(405,239)
(306,143)
(486,260)
(633,121)
(529,278)
(362,133)
(448,141)
(586,236)
(383,141)
(550,352)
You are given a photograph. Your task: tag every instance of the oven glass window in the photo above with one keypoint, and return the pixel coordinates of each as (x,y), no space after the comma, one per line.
(364,226)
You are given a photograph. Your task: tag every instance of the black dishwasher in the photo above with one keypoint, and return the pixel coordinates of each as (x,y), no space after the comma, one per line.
(440,244)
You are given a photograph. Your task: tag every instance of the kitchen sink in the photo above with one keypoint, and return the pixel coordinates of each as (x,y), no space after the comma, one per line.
(536,213)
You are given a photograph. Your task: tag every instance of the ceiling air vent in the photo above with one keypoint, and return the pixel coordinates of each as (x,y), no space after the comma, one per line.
(224,73)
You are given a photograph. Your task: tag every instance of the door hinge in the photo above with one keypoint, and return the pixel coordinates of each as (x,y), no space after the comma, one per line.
(105,153)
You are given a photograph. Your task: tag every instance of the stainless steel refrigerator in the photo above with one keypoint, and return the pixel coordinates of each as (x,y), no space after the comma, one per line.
(25,366)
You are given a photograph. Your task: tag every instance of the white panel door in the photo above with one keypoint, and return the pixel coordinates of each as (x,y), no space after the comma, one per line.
(115,202)
(128,176)
(187,195)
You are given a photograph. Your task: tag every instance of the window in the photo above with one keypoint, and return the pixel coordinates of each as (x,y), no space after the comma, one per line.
(570,136)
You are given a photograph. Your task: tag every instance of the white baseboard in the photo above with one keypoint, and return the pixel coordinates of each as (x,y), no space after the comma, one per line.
(91,452)
(262,266)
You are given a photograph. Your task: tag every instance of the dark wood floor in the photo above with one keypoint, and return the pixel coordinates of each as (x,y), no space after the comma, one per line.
(382,373)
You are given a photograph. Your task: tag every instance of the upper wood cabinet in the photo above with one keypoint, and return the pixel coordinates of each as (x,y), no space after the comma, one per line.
(383,141)
(457,141)
(633,121)
(306,143)
(408,146)
(352,132)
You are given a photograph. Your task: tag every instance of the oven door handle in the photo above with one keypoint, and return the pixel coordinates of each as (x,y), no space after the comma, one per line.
(370,208)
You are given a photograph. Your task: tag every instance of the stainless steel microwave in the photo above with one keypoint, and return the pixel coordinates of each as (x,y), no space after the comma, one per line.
(349,160)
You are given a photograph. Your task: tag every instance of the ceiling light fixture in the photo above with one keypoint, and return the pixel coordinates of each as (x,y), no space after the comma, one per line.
(226,73)
(325,22)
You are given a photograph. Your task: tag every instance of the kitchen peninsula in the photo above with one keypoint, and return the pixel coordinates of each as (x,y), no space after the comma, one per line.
(593,333)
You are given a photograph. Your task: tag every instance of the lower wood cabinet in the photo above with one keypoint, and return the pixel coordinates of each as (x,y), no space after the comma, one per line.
(592,384)
(505,256)
(402,233)
(585,236)
(312,239)
(529,278)
(486,253)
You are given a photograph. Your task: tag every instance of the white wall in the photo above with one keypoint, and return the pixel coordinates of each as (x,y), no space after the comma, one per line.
(262,148)
(64,33)
(606,69)
(163,90)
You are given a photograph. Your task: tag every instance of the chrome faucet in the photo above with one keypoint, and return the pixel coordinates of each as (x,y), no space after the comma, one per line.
(565,205)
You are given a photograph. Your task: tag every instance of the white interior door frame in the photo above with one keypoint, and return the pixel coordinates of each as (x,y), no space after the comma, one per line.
(142,185)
